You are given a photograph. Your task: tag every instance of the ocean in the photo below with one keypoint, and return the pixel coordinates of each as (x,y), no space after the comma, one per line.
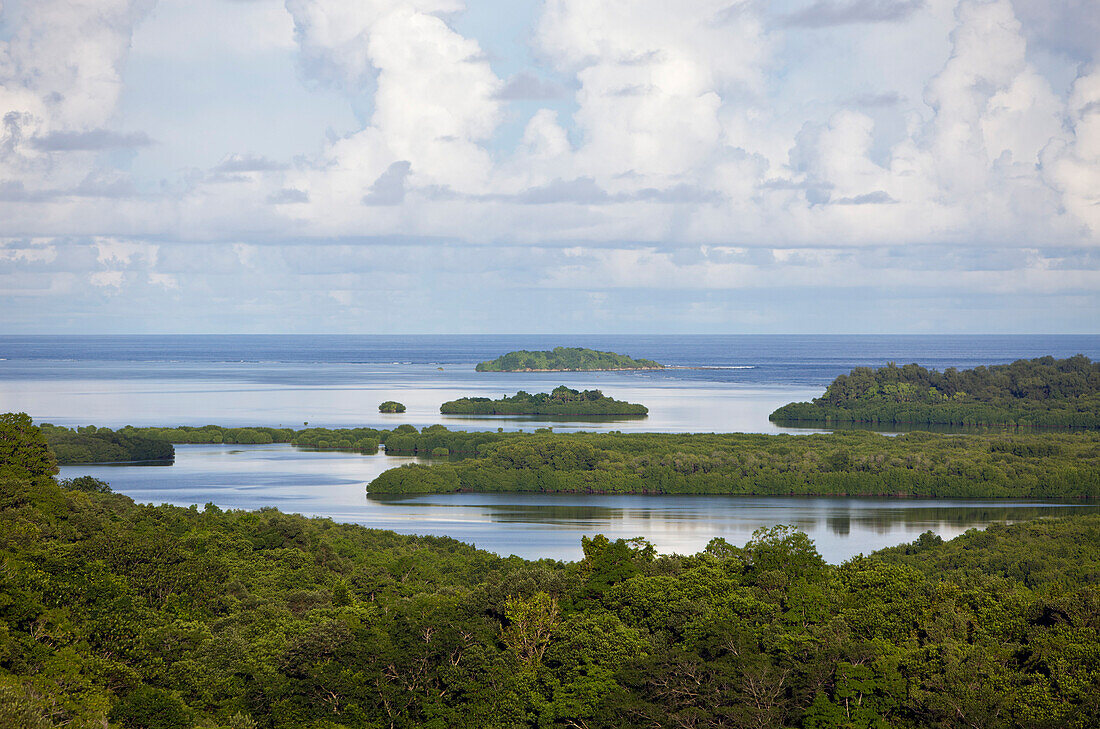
(337,381)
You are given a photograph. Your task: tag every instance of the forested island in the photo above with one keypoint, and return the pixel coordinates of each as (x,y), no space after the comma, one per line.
(565,359)
(1043,392)
(89,444)
(160,617)
(850,463)
(391,406)
(561,401)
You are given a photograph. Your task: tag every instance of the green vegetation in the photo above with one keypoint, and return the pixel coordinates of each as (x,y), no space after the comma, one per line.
(565,359)
(89,444)
(562,401)
(23,449)
(85,483)
(216,434)
(402,440)
(141,617)
(846,463)
(1043,392)
(391,406)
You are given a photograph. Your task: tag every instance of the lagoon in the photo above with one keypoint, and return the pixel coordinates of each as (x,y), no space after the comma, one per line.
(332,484)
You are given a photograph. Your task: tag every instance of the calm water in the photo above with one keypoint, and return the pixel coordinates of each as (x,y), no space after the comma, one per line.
(538,525)
(336,381)
(339,381)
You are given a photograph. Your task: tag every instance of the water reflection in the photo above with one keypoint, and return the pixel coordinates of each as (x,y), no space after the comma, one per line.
(332,484)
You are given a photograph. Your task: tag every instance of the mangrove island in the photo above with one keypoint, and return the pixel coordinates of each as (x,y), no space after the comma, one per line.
(1043,392)
(565,359)
(561,401)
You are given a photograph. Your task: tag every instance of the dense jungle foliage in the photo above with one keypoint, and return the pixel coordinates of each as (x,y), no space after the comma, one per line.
(844,463)
(566,359)
(391,406)
(128,616)
(561,401)
(89,444)
(1043,392)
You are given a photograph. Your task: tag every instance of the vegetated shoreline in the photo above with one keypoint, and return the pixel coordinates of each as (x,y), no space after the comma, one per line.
(832,420)
(1038,393)
(898,496)
(852,463)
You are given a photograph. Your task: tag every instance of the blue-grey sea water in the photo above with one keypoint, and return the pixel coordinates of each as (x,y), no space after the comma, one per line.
(339,381)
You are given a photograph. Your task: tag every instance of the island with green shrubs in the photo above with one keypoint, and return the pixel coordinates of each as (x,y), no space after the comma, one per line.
(1043,392)
(561,401)
(391,406)
(565,359)
(845,463)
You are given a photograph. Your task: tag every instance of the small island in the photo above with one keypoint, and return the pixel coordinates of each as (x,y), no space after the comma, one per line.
(562,401)
(565,359)
(1044,392)
(391,406)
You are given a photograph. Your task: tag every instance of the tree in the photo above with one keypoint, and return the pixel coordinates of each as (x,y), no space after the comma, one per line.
(23,449)
(85,483)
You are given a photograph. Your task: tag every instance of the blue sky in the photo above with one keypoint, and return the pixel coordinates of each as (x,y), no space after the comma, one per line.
(716,166)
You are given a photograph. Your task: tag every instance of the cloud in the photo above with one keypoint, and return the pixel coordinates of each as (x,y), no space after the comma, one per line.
(652,77)
(389,188)
(90,141)
(879,100)
(828,13)
(164,280)
(123,251)
(14,191)
(107,279)
(334,35)
(1069,27)
(288,196)
(583,191)
(695,141)
(248,163)
(525,86)
(878,197)
(92,186)
(1073,166)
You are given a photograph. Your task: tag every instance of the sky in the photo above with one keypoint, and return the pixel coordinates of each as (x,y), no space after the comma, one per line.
(573,166)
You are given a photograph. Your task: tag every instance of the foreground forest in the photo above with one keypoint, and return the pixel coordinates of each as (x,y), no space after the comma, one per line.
(140,617)
(1043,392)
